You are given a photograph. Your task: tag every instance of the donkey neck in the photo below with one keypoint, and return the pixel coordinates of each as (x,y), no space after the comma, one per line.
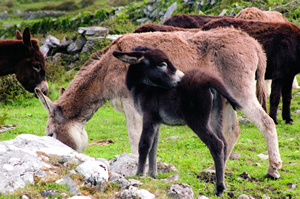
(11,52)
(91,88)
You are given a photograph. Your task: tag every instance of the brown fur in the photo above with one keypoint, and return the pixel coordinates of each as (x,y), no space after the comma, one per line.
(190,21)
(23,58)
(256,14)
(230,54)
(281,42)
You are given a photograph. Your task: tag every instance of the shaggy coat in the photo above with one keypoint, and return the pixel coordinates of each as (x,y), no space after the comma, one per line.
(281,42)
(256,14)
(195,101)
(230,54)
(23,58)
(190,21)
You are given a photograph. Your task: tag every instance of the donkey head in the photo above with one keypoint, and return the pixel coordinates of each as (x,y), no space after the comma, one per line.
(68,131)
(30,70)
(149,66)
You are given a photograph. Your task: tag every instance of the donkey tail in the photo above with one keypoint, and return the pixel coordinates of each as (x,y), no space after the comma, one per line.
(208,79)
(219,86)
(260,77)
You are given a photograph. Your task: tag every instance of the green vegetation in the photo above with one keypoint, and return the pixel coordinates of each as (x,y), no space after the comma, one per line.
(188,154)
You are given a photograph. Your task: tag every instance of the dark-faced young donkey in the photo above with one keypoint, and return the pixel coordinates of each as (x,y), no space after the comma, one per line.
(164,95)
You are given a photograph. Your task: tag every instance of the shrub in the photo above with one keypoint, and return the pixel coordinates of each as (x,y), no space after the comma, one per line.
(9,3)
(3,8)
(11,91)
(86,3)
(31,10)
(48,7)
(67,5)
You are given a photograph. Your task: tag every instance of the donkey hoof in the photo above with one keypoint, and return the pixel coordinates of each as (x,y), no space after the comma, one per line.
(218,191)
(290,121)
(272,173)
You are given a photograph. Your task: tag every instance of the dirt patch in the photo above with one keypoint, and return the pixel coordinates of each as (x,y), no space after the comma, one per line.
(102,142)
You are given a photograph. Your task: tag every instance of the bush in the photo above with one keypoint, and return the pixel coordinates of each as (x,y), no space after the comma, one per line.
(11,91)
(31,10)
(9,3)
(48,7)
(66,6)
(3,8)
(86,3)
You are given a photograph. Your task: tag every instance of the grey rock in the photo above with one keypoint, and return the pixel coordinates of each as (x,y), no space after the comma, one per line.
(181,191)
(135,183)
(143,20)
(42,14)
(77,46)
(244,121)
(91,31)
(134,193)
(19,160)
(173,178)
(88,168)
(223,13)
(97,181)
(265,197)
(173,138)
(126,165)
(169,11)
(234,156)
(3,15)
(297,111)
(202,197)
(166,168)
(73,189)
(120,180)
(243,196)
(263,156)
(49,193)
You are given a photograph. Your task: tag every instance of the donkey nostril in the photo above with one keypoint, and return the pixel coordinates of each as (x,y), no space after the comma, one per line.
(51,134)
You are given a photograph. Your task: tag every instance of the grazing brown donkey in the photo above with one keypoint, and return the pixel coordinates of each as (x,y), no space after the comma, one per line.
(231,54)
(195,101)
(23,58)
(281,42)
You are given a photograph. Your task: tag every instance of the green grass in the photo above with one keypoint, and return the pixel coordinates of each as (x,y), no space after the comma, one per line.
(188,154)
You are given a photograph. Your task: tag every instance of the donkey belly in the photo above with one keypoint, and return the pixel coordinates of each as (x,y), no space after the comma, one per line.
(172,119)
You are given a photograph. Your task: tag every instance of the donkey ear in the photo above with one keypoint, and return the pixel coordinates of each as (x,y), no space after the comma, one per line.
(26,37)
(129,57)
(46,102)
(62,90)
(19,35)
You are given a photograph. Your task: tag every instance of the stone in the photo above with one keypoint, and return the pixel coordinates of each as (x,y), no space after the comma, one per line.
(143,20)
(97,181)
(120,180)
(243,196)
(26,156)
(244,121)
(173,178)
(166,168)
(234,156)
(134,193)
(126,165)
(202,197)
(169,11)
(223,13)
(88,168)
(93,31)
(173,138)
(263,156)
(181,191)
(73,189)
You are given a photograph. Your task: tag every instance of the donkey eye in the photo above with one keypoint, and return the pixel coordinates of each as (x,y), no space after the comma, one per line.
(162,64)
(37,68)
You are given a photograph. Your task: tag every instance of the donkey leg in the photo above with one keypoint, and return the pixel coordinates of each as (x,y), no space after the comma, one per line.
(231,128)
(266,126)
(216,148)
(152,156)
(150,129)
(275,98)
(134,123)
(286,99)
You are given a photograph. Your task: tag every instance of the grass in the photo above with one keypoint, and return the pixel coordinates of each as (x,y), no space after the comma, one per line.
(188,154)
